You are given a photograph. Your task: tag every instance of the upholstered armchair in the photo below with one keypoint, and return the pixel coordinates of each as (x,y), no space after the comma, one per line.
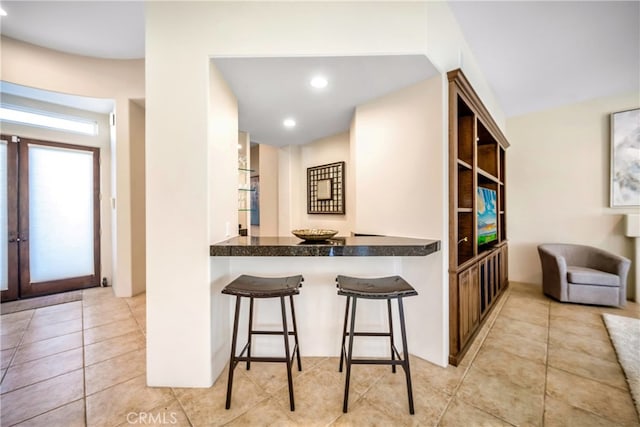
(583,274)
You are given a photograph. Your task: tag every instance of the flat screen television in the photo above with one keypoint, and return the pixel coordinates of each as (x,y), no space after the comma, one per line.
(487,216)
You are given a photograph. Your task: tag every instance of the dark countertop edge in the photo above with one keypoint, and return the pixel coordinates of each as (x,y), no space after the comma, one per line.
(422,249)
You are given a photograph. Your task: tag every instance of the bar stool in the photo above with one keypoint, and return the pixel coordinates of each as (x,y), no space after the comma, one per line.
(264,287)
(394,287)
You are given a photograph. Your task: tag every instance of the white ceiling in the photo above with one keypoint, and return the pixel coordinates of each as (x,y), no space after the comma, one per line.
(543,54)
(272,89)
(97,105)
(102,29)
(535,55)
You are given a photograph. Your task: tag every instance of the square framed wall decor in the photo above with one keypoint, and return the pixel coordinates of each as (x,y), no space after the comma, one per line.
(625,159)
(325,189)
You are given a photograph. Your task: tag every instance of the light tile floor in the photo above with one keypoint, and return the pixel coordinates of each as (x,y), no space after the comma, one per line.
(535,362)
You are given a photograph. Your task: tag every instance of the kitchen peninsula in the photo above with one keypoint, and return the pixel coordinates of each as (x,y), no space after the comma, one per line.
(319,311)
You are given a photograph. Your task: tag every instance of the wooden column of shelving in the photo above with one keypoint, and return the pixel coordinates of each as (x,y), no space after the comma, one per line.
(478,273)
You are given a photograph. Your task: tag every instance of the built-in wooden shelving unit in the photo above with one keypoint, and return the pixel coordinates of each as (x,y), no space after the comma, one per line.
(478,272)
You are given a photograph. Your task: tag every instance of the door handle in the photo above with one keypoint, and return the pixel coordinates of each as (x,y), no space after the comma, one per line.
(13,240)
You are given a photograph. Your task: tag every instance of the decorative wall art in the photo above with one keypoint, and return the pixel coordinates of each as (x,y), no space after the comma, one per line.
(325,189)
(255,200)
(625,159)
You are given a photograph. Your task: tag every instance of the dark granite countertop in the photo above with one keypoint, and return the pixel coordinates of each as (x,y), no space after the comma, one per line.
(338,246)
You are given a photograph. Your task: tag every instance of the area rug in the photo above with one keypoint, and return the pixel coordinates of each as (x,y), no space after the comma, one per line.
(625,335)
(38,302)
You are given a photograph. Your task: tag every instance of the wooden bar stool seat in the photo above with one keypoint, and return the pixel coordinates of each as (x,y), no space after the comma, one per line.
(264,287)
(388,288)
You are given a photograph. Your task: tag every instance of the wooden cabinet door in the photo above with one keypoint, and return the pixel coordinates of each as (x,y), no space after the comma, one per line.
(469,303)
(504,266)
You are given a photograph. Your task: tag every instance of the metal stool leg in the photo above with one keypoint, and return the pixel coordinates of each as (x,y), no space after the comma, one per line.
(232,359)
(249,333)
(287,353)
(349,355)
(295,332)
(391,344)
(344,332)
(405,350)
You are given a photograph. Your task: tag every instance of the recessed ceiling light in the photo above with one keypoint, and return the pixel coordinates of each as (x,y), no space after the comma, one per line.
(289,123)
(2,12)
(319,82)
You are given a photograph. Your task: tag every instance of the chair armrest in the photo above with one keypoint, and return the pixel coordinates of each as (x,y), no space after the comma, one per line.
(614,264)
(554,273)
(611,263)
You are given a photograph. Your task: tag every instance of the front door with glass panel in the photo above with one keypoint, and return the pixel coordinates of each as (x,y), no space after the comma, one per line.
(52,219)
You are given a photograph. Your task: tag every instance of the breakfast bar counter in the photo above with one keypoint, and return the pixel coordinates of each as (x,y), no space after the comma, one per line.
(337,246)
(319,310)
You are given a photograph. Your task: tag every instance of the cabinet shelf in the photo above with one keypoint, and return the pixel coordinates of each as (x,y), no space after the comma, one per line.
(462,163)
(246,170)
(246,210)
(246,189)
(487,175)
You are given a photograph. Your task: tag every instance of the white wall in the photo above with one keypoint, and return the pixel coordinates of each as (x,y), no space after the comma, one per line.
(180,39)
(120,80)
(399,152)
(399,149)
(332,149)
(269,209)
(558,183)
(289,181)
(210,317)
(138,214)
(447,49)
(102,141)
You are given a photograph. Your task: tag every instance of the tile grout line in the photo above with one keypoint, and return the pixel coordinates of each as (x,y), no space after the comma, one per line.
(84,395)
(184,411)
(48,355)
(600,416)
(143,331)
(546,365)
(455,393)
(489,325)
(46,412)
(362,396)
(84,365)
(43,380)
(269,395)
(514,355)
(15,349)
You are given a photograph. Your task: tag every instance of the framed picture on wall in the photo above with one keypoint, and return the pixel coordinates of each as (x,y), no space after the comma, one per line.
(325,189)
(625,159)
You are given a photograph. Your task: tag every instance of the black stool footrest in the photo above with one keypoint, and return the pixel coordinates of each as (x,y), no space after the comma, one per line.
(281,359)
(376,362)
(271,333)
(263,359)
(369,334)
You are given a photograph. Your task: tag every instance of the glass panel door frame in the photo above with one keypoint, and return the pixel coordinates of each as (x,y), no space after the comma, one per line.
(12,219)
(20,284)
(26,286)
